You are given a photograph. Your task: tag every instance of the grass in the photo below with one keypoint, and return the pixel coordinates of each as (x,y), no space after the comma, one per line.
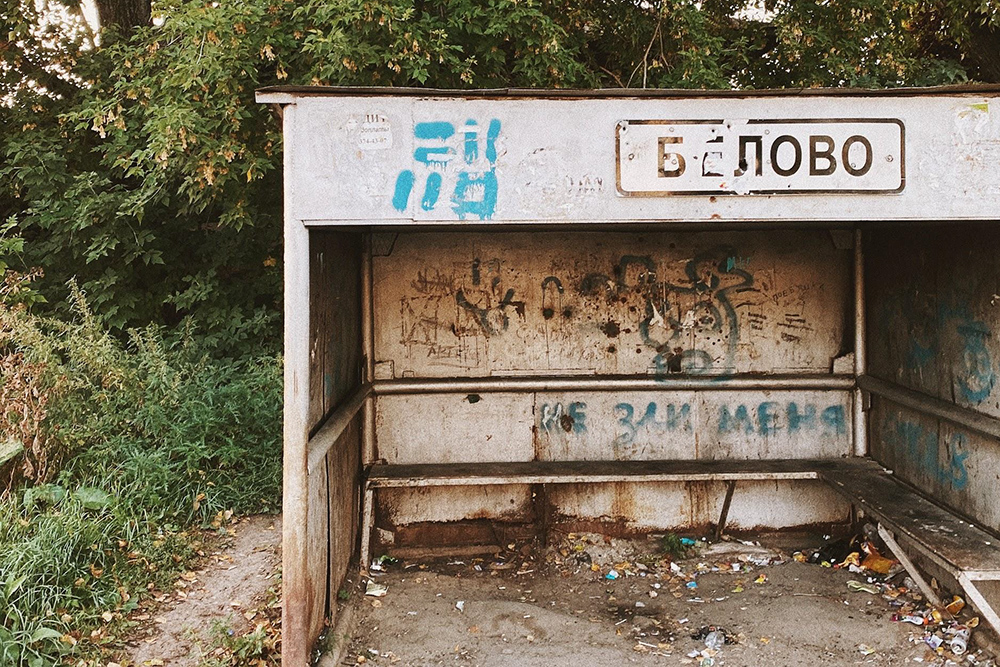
(121,451)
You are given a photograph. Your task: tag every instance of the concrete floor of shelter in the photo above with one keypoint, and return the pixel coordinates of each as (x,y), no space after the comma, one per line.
(557,607)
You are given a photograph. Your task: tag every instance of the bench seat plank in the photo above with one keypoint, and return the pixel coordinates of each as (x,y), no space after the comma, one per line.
(953,543)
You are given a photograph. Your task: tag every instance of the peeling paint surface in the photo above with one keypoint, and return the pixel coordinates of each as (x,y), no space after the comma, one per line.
(426,159)
(452,305)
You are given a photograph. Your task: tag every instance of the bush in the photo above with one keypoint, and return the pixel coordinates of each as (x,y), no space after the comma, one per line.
(114,449)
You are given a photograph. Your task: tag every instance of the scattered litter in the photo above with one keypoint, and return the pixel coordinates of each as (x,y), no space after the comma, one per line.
(960,642)
(691,584)
(375,589)
(858,586)
(956,605)
(460,605)
(714,640)
(612,575)
(865,649)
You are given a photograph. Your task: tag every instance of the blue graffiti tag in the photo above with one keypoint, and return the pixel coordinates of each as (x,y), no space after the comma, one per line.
(475,192)
(570,419)
(766,419)
(675,418)
(920,446)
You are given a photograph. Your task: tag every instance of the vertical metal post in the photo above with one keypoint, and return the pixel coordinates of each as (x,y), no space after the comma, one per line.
(295,494)
(860,353)
(368,350)
(368,414)
(720,529)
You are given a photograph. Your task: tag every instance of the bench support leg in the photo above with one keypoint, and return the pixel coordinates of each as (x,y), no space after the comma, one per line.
(366,528)
(898,552)
(977,598)
(724,516)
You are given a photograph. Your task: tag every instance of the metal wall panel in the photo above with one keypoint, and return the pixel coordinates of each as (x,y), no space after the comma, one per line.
(460,305)
(335,320)
(317,552)
(343,465)
(719,424)
(427,159)
(665,425)
(953,465)
(448,428)
(644,507)
(934,312)
(399,507)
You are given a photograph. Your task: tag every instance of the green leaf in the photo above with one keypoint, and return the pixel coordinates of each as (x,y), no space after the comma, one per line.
(12,585)
(43,633)
(9,449)
(44,494)
(92,498)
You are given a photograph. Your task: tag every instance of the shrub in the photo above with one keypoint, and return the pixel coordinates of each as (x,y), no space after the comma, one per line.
(114,448)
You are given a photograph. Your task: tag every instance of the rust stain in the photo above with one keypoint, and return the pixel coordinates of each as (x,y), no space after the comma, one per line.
(611,329)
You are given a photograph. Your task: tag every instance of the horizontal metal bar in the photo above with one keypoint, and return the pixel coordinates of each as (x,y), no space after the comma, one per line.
(334,426)
(500,480)
(935,407)
(608,383)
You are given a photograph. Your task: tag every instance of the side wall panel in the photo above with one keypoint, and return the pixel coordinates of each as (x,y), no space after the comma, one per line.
(934,311)
(335,314)
(344,473)
(334,373)
(934,318)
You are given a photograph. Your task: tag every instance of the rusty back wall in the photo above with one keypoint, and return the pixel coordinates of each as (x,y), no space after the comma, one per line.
(653,304)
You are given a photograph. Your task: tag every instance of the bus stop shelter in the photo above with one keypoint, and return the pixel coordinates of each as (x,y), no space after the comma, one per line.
(637,310)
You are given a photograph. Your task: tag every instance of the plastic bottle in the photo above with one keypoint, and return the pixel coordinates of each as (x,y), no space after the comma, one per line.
(714,640)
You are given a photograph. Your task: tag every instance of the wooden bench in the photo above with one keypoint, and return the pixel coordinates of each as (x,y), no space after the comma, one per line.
(965,551)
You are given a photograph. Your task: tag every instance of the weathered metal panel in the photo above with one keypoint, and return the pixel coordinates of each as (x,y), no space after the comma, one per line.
(335,320)
(667,425)
(399,507)
(295,614)
(935,312)
(637,303)
(956,467)
(344,475)
(698,504)
(430,159)
(438,428)
(317,551)
(443,428)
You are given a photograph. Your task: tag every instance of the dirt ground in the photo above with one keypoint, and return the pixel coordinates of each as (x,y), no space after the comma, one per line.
(559,608)
(233,581)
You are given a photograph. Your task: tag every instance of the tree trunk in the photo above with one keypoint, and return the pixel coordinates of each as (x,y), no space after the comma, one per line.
(123,15)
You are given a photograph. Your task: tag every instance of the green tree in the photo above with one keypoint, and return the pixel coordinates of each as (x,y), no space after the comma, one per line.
(138,161)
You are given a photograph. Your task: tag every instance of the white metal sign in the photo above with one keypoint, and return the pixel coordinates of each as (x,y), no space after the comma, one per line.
(790,156)
(406,159)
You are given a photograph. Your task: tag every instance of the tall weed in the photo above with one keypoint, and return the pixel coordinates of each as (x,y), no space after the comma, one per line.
(117,448)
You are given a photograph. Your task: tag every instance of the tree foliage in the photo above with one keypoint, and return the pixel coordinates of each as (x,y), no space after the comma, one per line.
(141,165)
